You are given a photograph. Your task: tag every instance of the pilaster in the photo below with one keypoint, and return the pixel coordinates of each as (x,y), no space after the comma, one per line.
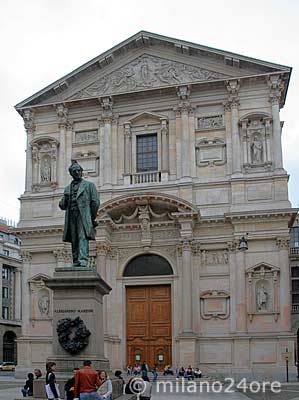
(184,108)
(233,104)
(285,289)
(276,87)
(62,118)
(26,257)
(128,153)
(28,117)
(106,141)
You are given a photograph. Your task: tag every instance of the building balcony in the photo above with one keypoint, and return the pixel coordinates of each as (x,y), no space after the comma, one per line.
(144,177)
(294,252)
(295,308)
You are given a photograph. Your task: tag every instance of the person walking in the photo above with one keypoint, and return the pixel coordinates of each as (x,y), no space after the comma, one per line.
(86,383)
(52,389)
(105,390)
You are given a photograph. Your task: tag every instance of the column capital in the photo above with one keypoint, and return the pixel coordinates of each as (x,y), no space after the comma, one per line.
(283,243)
(107,109)
(26,256)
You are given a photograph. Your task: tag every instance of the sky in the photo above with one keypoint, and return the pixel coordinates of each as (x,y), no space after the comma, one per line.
(43,40)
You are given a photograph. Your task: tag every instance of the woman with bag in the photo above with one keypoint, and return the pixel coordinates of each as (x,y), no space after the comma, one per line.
(52,389)
(105,390)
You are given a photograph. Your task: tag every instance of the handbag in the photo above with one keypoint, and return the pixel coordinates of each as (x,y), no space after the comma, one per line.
(49,392)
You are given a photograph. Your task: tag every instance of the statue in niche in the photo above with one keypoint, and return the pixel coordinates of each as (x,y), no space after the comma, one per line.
(262,298)
(45,170)
(44,304)
(257,150)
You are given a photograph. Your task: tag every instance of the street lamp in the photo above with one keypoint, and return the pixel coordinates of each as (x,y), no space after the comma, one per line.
(243,244)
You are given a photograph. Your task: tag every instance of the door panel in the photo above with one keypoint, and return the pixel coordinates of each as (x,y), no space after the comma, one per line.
(149,325)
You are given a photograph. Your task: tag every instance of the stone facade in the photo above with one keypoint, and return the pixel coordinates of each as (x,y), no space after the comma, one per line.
(219,177)
(10,292)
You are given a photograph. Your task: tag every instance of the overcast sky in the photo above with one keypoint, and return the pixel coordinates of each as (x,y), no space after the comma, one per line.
(42,40)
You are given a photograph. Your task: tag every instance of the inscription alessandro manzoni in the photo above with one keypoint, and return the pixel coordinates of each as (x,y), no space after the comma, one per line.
(73,311)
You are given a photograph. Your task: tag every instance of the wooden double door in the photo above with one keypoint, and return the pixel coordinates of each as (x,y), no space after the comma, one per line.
(149,333)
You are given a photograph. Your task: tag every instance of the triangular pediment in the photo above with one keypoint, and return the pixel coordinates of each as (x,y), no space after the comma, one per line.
(146,72)
(148,61)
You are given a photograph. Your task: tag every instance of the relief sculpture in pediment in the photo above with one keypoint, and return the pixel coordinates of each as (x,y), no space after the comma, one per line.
(146,72)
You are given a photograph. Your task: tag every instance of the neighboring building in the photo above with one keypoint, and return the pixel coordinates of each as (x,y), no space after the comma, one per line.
(184,145)
(10,292)
(294,265)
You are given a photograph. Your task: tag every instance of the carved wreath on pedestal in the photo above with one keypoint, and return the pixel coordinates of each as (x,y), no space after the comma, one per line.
(64,330)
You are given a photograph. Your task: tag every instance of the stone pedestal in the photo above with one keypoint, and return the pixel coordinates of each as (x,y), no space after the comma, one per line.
(78,292)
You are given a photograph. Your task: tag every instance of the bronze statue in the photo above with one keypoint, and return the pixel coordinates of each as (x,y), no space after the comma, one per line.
(81,202)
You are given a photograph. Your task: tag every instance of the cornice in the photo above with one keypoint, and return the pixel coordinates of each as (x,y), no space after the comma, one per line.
(31,231)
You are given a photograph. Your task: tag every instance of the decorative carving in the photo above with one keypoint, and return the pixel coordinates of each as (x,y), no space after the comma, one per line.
(44,303)
(144,73)
(64,332)
(232,245)
(283,243)
(214,304)
(276,86)
(263,290)
(210,152)
(209,257)
(62,114)
(26,256)
(86,136)
(212,122)
(28,117)
(232,87)
(126,253)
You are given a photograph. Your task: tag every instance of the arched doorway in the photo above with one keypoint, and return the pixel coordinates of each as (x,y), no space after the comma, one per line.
(148,313)
(10,347)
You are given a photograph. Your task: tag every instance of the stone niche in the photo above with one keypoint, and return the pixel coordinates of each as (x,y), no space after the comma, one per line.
(40,298)
(263,290)
(256,138)
(44,163)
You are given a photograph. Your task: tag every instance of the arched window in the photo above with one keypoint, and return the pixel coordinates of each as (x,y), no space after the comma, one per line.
(147,265)
(9,347)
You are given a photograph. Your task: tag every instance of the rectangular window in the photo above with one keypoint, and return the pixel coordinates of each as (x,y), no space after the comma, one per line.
(5,273)
(295,285)
(147,153)
(5,293)
(294,237)
(295,272)
(6,252)
(5,312)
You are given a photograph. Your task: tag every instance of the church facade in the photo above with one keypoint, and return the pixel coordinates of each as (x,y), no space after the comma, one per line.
(184,145)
